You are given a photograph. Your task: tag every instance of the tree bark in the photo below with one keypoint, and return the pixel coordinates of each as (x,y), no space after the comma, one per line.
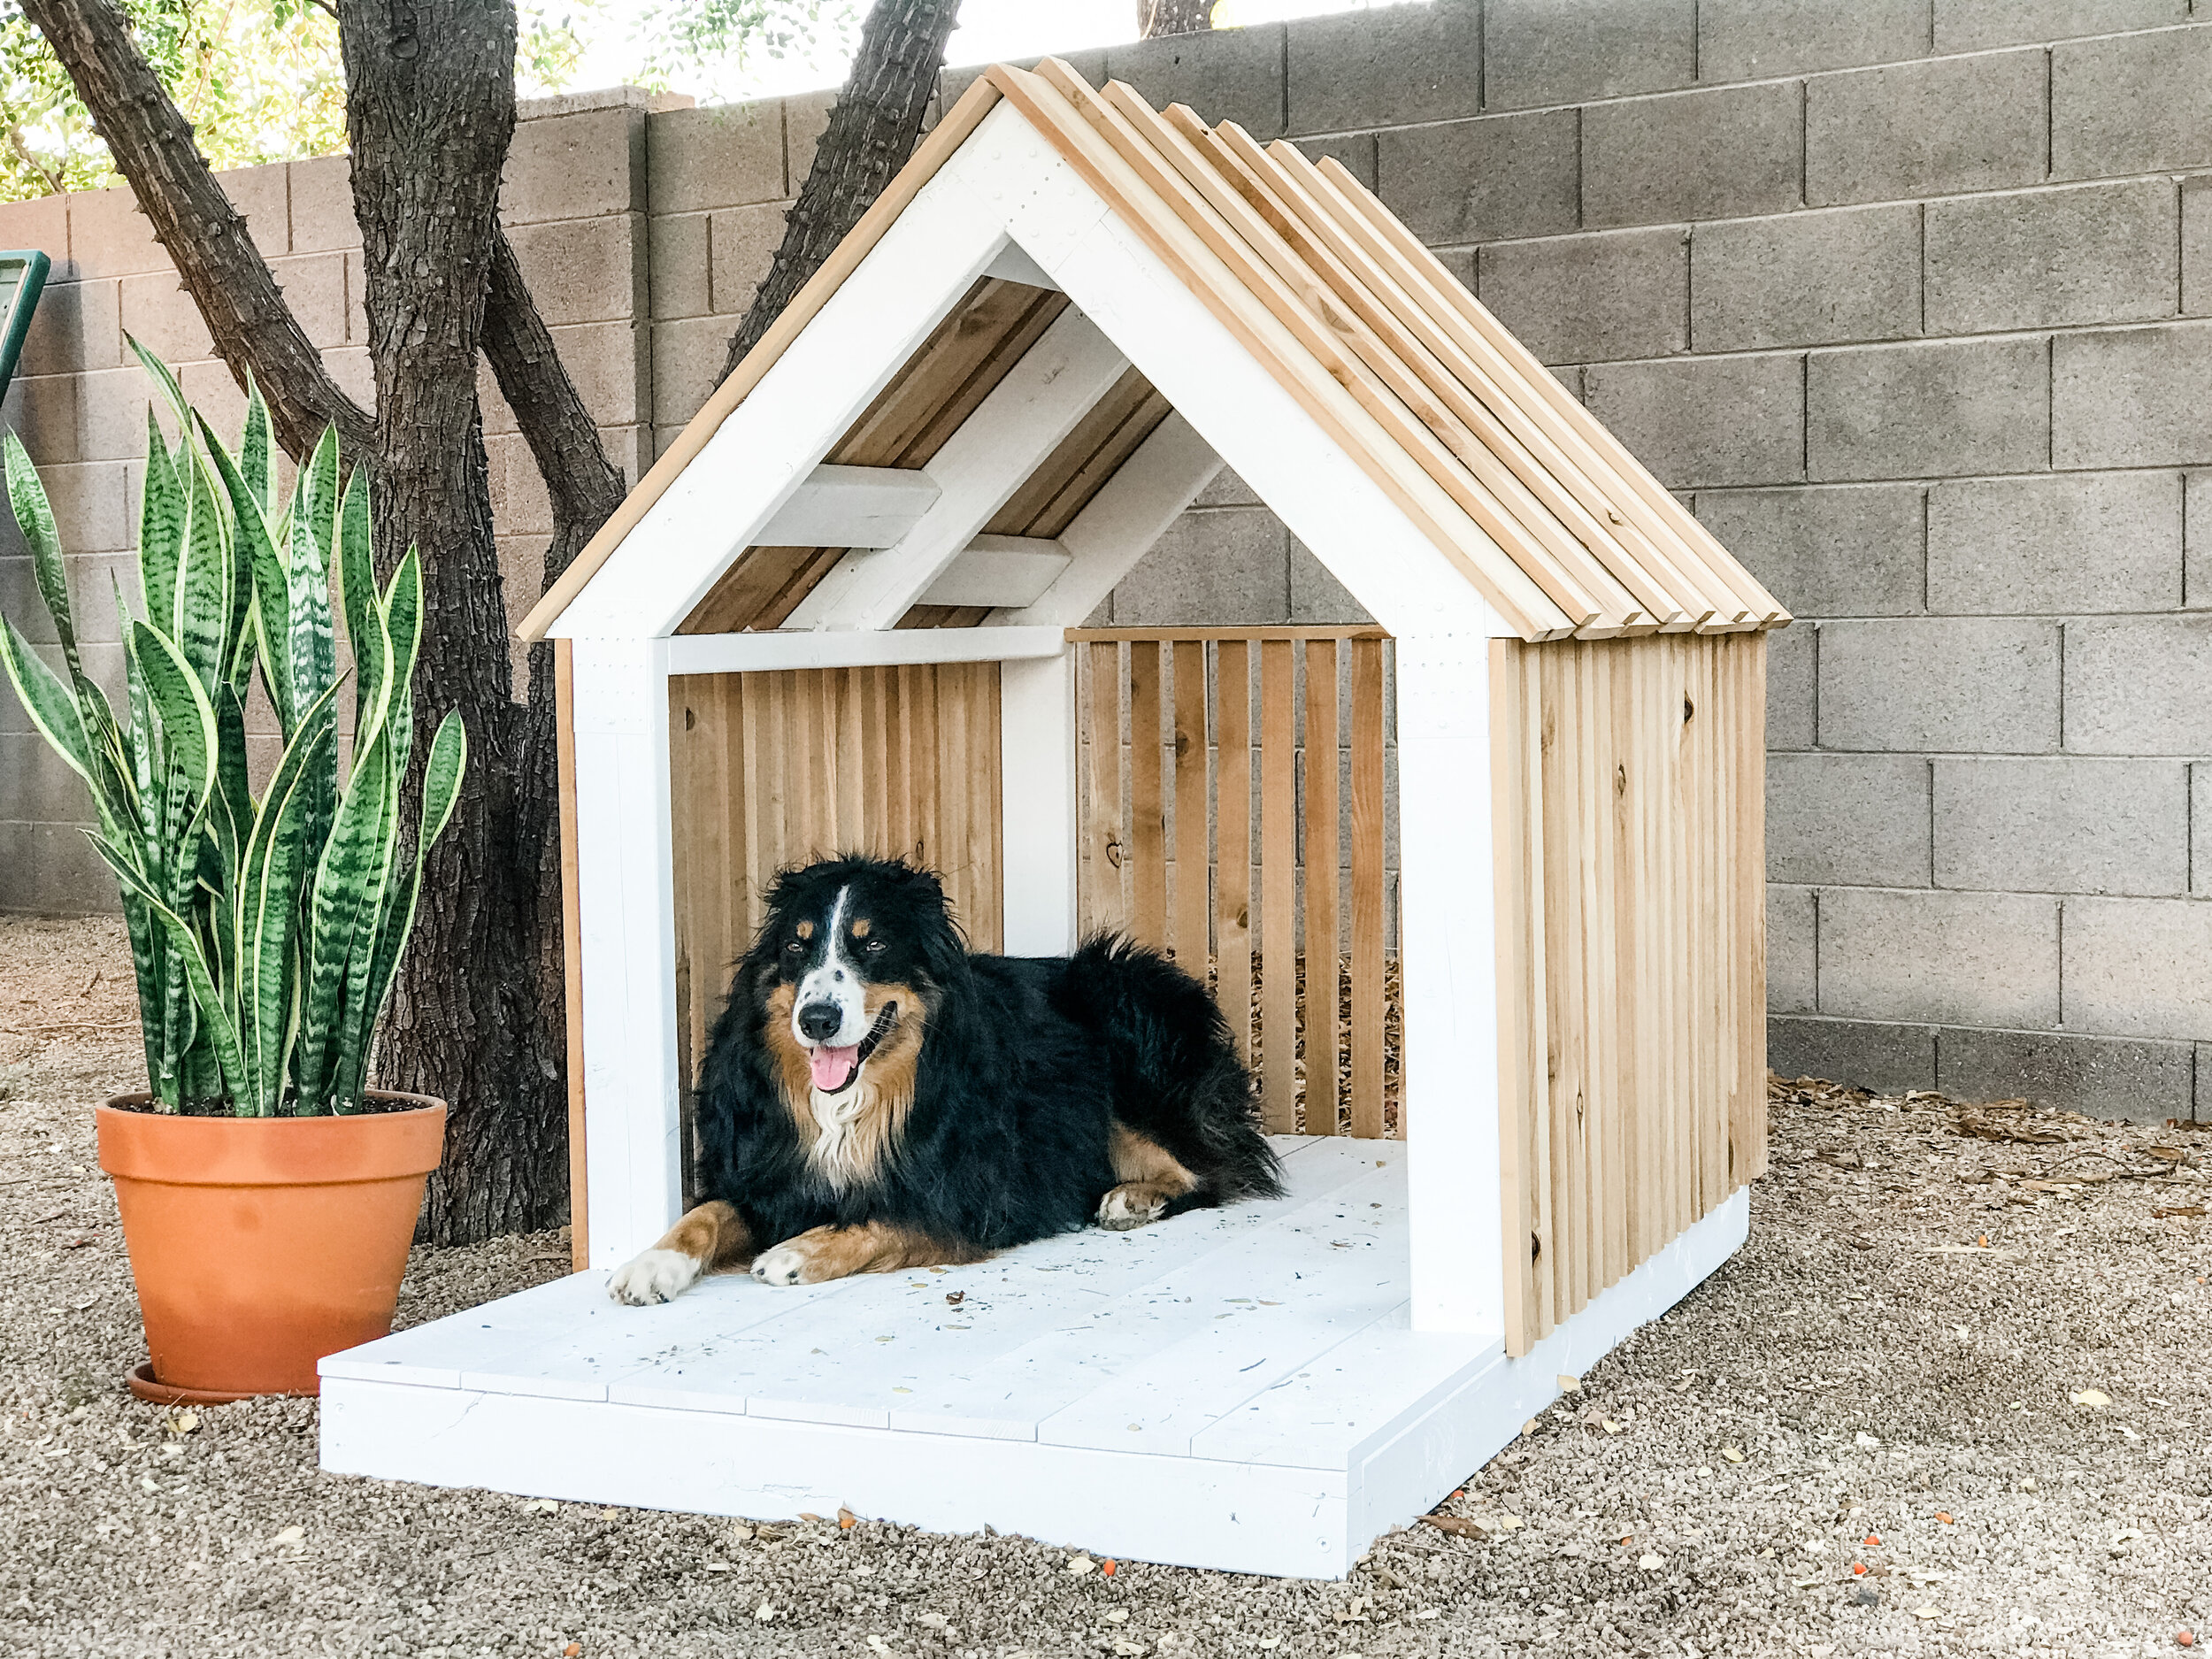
(204,236)
(1156,17)
(872,129)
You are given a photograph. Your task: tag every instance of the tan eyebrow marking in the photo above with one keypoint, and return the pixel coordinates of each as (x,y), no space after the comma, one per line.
(806,930)
(860,928)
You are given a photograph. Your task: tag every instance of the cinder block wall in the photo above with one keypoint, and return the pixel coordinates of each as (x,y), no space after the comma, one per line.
(1903,296)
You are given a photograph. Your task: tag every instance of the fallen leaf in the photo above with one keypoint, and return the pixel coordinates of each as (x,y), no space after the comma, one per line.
(1458,1526)
(184,1422)
(1531,1426)
(1107,1567)
(1873,1541)
(954,1298)
(1703,1470)
(1732,1454)
(1858,1569)
(1943,1516)
(572,1651)
(290,1535)
(1080,1564)
(1651,1563)
(1120,1616)
(2177,1212)
(716,1566)
(846,1519)
(809,1514)
(1125,1650)
(1570,1385)
(763,1612)
(2095,1399)
(1927,1612)
(2184,1639)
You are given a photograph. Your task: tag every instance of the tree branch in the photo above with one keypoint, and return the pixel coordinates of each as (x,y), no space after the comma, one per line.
(204,235)
(872,129)
(583,485)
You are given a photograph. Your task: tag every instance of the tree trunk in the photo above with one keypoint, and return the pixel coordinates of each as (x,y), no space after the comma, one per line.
(430,102)
(872,129)
(1156,17)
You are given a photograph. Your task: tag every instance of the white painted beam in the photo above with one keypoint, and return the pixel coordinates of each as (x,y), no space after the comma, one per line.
(1014,265)
(1007,437)
(1000,570)
(1037,800)
(855,648)
(1121,523)
(850,506)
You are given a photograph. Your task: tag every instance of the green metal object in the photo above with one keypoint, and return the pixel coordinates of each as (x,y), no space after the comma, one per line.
(22,276)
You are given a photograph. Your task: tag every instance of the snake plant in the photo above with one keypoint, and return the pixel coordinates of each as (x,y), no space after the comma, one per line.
(264,929)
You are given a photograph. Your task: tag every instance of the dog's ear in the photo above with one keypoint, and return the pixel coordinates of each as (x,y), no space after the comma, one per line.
(926,884)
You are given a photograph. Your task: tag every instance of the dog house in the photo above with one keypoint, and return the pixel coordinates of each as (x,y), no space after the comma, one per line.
(1479,882)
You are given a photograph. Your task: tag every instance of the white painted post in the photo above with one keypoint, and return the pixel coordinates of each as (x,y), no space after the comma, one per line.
(1449,960)
(1037,803)
(627,909)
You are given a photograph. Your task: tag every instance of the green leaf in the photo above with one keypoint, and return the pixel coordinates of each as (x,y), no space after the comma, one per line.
(403,624)
(172,394)
(253,447)
(52,709)
(350,881)
(184,941)
(34,517)
(187,719)
(201,611)
(313,660)
(256,545)
(357,599)
(441,777)
(160,527)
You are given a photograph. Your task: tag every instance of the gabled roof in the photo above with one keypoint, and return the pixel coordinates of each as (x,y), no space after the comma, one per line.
(1560,528)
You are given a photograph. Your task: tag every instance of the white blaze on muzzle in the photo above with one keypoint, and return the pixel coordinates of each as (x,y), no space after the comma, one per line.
(832,1055)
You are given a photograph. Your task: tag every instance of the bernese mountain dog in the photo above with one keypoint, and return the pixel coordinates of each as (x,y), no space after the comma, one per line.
(875,1097)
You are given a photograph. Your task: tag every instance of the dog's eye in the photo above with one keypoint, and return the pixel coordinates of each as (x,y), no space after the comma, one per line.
(875,947)
(794,948)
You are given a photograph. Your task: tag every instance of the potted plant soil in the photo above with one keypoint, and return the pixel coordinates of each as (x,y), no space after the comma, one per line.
(268,1196)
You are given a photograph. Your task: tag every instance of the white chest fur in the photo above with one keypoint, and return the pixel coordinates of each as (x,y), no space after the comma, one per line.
(836,1118)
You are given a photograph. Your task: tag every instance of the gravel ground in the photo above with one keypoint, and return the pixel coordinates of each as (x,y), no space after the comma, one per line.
(1863,1370)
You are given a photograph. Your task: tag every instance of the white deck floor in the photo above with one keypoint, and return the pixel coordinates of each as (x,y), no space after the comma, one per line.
(1234,1388)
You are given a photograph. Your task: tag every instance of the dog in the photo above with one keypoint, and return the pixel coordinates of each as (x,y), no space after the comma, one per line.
(876,1098)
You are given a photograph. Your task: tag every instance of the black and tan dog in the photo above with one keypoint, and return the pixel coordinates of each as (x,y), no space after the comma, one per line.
(876,1098)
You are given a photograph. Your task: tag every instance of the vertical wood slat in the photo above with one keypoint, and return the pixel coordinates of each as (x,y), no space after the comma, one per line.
(1367,831)
(1099,876)
(1189,933)
(1278,892)
(572,949)
(1232,836)
(1148,826)
(1513,900)
(1324,871)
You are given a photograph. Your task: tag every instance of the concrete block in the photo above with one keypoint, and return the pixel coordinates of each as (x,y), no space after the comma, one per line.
(676,270)
(209,388)
(1749,142)
(1857,819)
(91,503)
(315,287)
(354,372)
(743,243)
(263,197)
(686,365)
(1886,1058)
(805,119)
(520,506)
(2091,254)
(2196,245)
(2135,685)
(162,317)
(36,784)
(1316,595)
(356,300)
(50,870)
(2132,396)
(42,223)
(1928,410)
(585,270)
(2200,829)
(78,326)
(2058,544)
(1706,421)
(1966,25)
(1415,63)
(585,165)
(2063,824)
(110,237)
(1587,299)
(1929,128)
(608,363)
(1355,152)
(1564,51)
(1806,279)
(1917,684)
(2142,1082)
(1224,569)
(1792,687)
(2129,103)
(110,410)
(717,156)
(1826,550)
(1225,74)
(1791,934)
(1751,39)
(322,205)
(952,84)
(1227,490)
(1505,175)
(2139,967)
(1949,958)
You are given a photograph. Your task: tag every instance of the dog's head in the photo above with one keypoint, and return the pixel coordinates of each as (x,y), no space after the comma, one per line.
(858,951)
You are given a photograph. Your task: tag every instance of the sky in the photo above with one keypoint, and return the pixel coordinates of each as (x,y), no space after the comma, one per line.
(989,30)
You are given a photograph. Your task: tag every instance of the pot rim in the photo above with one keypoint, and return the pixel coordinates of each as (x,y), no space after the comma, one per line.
(121,1104)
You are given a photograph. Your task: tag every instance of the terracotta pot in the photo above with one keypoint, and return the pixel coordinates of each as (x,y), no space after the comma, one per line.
(261,1244)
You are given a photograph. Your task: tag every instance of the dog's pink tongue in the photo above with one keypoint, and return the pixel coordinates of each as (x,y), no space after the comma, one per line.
(833,1067)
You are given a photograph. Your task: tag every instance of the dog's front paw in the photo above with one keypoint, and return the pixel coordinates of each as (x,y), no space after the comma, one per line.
(786,1264)
(656,1276)
(1131,1204)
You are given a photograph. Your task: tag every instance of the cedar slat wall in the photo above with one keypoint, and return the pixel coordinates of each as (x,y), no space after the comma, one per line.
(1629,778)
(768,770)
(1130,877)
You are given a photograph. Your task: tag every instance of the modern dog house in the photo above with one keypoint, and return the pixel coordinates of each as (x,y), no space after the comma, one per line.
(1520,813)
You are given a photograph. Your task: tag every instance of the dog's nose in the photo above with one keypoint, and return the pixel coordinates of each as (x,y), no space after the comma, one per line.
(820,1020)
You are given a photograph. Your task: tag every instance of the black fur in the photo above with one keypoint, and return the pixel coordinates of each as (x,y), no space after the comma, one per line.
(1025,1063)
